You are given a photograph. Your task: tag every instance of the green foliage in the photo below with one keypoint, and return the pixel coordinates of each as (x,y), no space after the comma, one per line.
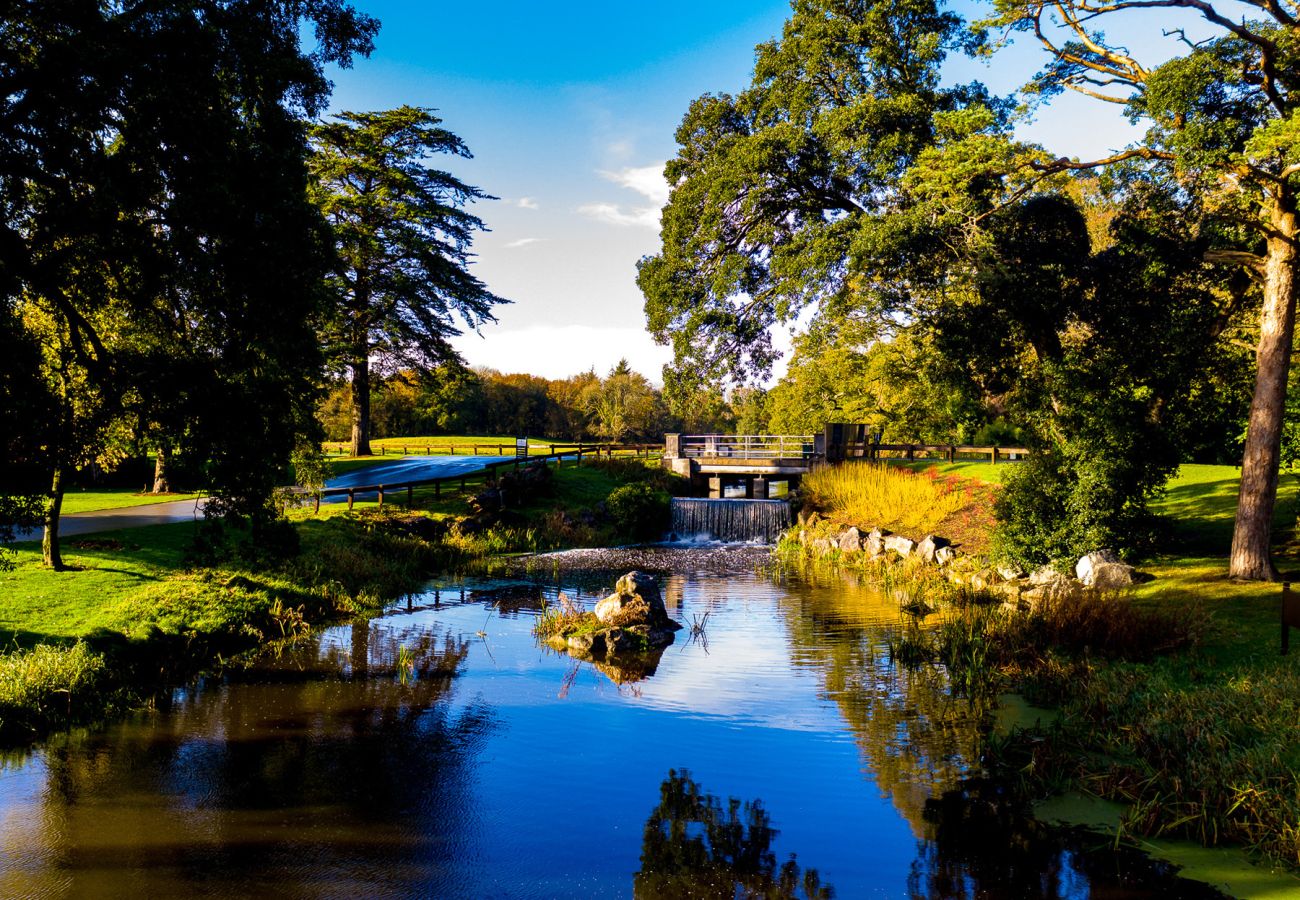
(640,511)
(402,236)
(48,685)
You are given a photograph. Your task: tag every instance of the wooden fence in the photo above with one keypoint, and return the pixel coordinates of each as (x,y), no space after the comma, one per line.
(575,453)
(497,449)
(949,452)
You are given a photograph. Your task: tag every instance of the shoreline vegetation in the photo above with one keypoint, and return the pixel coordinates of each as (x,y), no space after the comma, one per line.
(1172,697)
(139,610)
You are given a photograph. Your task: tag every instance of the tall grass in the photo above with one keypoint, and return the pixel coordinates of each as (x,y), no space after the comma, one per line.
(882,496)
(48,684)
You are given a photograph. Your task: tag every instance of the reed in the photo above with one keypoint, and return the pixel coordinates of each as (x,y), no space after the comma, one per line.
(878,495)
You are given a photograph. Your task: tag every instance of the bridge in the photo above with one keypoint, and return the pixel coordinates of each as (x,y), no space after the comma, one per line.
(768,466)
(752,466)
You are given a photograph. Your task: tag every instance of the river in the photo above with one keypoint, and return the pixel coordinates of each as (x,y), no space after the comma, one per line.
(782,753)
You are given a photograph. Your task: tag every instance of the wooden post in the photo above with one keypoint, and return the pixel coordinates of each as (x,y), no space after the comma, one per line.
(476,449)
(405,451)
(351,497)
(318,501)
(426,451)
(995,456)
(381,496)
(911,452)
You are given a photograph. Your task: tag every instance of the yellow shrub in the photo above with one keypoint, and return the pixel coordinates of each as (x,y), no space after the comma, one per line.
(875,495)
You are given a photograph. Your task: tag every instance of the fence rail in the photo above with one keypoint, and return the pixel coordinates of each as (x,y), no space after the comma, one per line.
(747,446)
(950,452)
(566,452)
(494,449)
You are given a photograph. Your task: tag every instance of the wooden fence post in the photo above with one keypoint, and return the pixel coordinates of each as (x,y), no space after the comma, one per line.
(351,497)
(318,501)
(994,456)
(381,496)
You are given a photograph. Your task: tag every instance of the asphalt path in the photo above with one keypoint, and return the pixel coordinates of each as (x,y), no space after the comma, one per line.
(411,468)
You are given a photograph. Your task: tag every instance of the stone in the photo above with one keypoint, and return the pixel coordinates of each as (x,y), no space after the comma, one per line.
(851,540)
(821,547)
(929,547)
(875,544)
(1088,563)
(1044,575)
(900,545)
(619,641)
(1010,572)
(591,644)
(1058,588)
(1110,576)
(944,556)
(636,601)
(984,580)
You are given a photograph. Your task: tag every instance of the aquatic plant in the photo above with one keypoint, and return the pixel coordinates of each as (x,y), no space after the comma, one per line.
(564,619)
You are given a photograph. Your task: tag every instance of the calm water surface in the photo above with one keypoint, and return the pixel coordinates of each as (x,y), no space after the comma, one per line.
(786,756)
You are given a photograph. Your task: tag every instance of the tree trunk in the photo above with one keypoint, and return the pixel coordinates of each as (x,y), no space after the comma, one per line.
(1252,531)
(50,541)
(361,406)
(161,485)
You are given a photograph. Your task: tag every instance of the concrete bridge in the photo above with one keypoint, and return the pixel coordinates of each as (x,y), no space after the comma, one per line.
(753,466)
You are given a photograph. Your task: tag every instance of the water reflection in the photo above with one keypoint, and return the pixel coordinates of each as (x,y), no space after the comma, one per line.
(916,738)
(319,767)
(694,847)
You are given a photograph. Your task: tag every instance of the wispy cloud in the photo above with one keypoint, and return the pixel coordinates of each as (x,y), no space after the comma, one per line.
(526,203)
(523,242)
(648,181)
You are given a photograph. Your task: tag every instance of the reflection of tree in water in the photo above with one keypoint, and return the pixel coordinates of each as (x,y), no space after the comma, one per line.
(983,848)
(918,740)
(694,847)
(321,764)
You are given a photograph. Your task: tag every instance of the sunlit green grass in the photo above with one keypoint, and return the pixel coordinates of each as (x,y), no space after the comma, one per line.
(77,501)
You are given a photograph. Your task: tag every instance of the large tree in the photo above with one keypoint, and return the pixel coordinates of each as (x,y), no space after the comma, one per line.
(1223,123)
(156,228)
(402,235)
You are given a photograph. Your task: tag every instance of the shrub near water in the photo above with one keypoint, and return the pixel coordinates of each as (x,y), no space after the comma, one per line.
(47,684)
(881,496)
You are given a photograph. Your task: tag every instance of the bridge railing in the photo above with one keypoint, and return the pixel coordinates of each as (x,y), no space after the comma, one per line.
(747,446)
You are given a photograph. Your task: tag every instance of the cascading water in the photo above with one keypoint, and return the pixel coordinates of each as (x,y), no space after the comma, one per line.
(730,520)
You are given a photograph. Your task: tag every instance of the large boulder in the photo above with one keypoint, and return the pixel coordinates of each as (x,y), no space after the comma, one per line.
(875,543)
(851,540)
(635,601)
(1103,569)
(929,547)
(900,545)
(944,556)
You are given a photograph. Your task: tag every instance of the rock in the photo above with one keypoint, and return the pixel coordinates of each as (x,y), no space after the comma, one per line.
(984,580)
(944,556)
(1109,576)
(591,644)
(1087,564)
(1044,575)
(851,541)
(635,601)
(821,547)
(1010,572)
(619,641)
(875,544)
(1059,588)
(929,547)
(900,545)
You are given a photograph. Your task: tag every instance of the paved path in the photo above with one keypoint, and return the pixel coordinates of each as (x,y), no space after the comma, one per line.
(124,517)
(411,468)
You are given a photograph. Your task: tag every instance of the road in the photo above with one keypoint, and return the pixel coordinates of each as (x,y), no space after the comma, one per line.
(410,468)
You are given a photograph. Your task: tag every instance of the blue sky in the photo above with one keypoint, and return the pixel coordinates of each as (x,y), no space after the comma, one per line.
(570,111)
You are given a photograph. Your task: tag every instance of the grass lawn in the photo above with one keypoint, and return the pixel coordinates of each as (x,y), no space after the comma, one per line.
(76,501)
(978,471)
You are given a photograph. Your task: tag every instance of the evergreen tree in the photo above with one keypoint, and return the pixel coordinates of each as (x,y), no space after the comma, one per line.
(402,237)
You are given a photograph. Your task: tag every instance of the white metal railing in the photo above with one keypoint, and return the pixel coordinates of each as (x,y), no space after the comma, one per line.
(747,446)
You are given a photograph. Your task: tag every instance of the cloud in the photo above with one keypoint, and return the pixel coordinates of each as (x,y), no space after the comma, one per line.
(523,242)
(526,203)
(648,181)
(612,214)
(558,351)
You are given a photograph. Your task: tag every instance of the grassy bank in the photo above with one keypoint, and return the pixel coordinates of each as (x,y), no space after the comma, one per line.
(139,609)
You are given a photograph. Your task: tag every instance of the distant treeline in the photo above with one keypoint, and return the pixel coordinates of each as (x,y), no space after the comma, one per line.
(620,406)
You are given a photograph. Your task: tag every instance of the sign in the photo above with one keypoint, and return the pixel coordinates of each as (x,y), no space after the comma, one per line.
(521,448)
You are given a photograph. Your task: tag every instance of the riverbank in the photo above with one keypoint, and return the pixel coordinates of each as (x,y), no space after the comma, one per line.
(1173,698)
(141,609)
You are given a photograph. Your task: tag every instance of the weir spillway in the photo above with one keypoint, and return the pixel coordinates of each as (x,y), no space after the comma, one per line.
(730,520)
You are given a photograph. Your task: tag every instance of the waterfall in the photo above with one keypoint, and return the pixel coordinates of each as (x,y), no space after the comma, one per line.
(730,520)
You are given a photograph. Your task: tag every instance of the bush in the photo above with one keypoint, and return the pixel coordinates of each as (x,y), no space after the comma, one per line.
(640,511)
(880,496)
